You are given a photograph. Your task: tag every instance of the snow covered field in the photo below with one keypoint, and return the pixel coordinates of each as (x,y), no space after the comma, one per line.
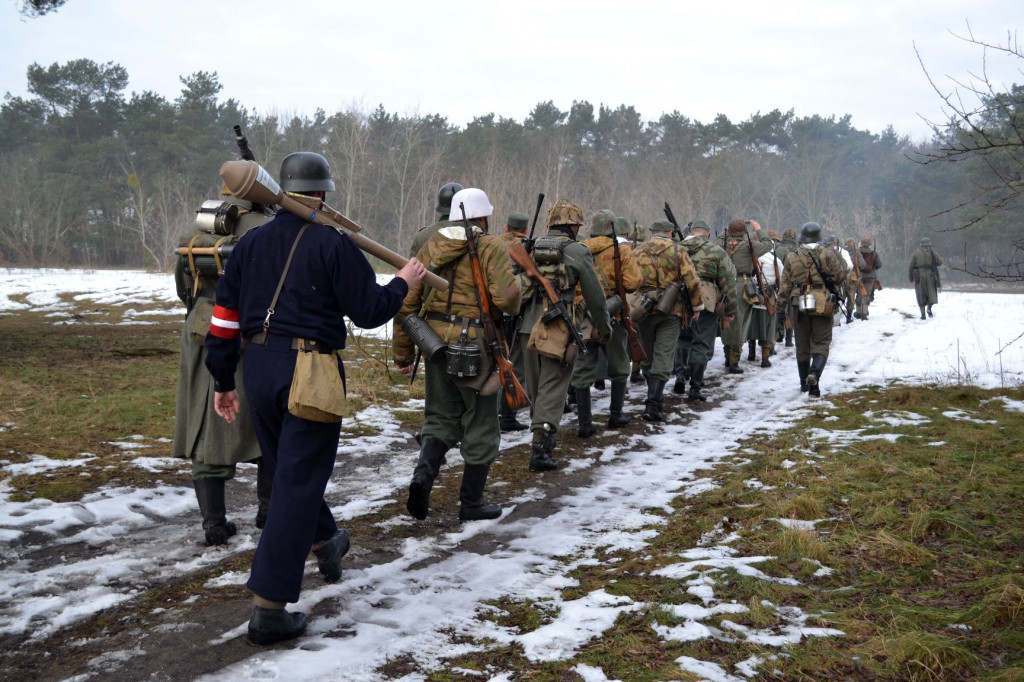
(409,606)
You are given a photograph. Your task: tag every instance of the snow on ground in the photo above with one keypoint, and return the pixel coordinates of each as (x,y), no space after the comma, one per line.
(410,606)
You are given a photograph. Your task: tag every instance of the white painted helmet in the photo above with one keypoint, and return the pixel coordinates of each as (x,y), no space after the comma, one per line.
(476,203)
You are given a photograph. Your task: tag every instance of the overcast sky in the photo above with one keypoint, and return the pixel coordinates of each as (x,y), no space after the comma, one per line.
(466,59)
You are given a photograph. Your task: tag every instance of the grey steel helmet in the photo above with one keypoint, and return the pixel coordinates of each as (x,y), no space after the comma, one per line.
(306,172)
(925,241)
(444,197)
(810,233)
(601,223)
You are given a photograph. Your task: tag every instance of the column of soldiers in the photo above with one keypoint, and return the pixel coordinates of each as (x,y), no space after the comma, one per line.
(555,299)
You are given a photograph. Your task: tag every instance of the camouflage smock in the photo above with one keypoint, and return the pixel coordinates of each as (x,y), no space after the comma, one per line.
(663,261)
(800,271)
(714,266)
(444,254)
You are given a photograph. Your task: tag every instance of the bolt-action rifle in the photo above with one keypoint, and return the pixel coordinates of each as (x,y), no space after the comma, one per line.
(556,307)
(515,396)
(759,276)
(678,231)
(829,284)
(530,240)
(636,349)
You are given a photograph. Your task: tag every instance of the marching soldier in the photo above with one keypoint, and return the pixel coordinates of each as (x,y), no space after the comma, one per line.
(736,241)
(671,294)
(458,409)
(213,446)
(784,326)
(924,273)
(717,282)
(762,325)
(868,277)
(548,361)
(516,225)
(616,350)
(443,209)
(811,303)
(638,234)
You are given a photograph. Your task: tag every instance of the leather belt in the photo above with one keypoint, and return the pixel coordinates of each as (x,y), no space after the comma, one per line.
(453,319)
(278,342)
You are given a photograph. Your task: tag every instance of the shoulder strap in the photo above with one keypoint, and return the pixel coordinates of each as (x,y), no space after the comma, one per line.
(261,338)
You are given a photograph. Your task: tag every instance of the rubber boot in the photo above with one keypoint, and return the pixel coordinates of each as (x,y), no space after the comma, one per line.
(803,367)
(789,338)
(922,313)
(471,495)
(817,366)
(584,416)
(431,458)
(507,418)
(697,382)
(766,352)
(751,351)
(268,626)
(541,448)
(655,401)
(328,556)
(264,484)
(210,494)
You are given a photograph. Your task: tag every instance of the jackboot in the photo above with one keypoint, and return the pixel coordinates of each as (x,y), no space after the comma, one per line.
(599,385)
(328,556)
(584,416)
(636,377)
(751,351)
(471,495)
(431,458)
(264,484)
(766,352)
(849,316)
(789,338)
(697,382)
(817,366)
(268,626)
(210,494)
(732,360)
(507,418)
(929,311)
(540,457)
(615,416)
(655,401)
(570,401)
(922,313)
(803,367)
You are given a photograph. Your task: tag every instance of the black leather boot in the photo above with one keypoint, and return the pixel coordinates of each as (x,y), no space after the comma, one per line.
(471,495)
(210,495)
(929,311)
(540,458)
(328,556)
(267,626)
(616,418)
(789,338)
(803,367)
(583,413)
(264,484)
(697,382)
(431,458)
(751,351)
(655,401)
(817,366)
(507,418)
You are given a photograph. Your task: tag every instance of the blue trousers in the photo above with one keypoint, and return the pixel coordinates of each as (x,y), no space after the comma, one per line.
(300,455)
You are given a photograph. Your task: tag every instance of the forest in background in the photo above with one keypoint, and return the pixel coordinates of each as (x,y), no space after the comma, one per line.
(98,178)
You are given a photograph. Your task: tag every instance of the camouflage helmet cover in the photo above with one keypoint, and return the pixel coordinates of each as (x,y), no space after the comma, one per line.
(850,243)
(565,213)
(789,234)
(773,235)
(621,226)
(601,223)
(737,226)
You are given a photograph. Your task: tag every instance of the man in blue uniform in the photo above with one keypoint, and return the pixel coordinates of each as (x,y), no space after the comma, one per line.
(327,279)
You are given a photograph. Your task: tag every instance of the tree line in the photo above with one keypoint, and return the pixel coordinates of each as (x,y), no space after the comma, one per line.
(98,178)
